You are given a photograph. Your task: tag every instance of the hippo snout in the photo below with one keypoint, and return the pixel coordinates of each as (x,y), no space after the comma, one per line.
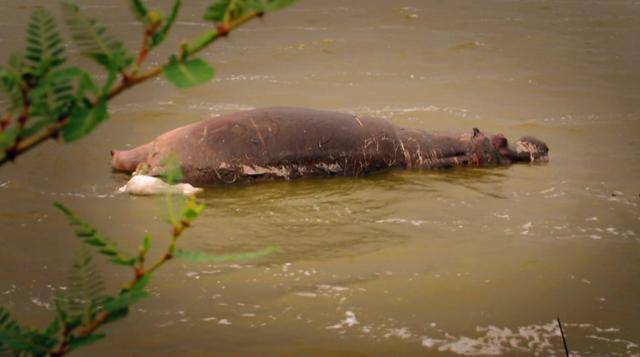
(120,163)
(128,160)
(531,149)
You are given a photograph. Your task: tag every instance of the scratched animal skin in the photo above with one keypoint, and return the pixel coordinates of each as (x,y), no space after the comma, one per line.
(288,143)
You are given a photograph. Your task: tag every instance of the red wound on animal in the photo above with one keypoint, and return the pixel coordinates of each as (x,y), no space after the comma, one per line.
(499,141)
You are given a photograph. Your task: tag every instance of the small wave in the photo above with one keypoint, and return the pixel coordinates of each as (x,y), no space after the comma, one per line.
(389,112)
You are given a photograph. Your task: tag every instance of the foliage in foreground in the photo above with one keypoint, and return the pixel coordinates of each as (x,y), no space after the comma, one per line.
(41,97)
(84,307)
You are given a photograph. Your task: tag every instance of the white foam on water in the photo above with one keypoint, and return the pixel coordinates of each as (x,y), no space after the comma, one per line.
(628,344)
(534,339)
(306,294)
(349,321)
(402,333)
(41,303)
(413,222)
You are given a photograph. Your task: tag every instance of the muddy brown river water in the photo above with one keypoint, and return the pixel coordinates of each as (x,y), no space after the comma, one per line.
(471,262)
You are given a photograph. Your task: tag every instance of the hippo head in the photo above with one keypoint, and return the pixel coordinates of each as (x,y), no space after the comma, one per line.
(530,149)
(495,149)
(527,149)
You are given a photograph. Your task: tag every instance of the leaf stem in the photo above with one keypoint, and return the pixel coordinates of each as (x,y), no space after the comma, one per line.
(5,121)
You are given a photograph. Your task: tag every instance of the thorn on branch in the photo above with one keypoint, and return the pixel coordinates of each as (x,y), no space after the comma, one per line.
(126,78)
(139,273)
(223,30)
(4,123)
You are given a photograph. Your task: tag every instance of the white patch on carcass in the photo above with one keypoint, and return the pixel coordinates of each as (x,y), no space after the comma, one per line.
(330,168)
(280,171)
(148,185)
(526,147)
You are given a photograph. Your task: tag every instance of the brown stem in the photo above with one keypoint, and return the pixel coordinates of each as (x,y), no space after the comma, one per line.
(4,122)
(10,153)
(144,48)
(31,142)
(64,345)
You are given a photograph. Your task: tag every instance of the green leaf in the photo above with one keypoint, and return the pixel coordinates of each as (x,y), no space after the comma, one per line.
(10,81)
(160,35)
(67,74)
(52,98)
(16,62)
(184,74)
(94,41)
(116,315)
(216,11)
(16,340)
(79,341)
(201,257)
(45,48)
(192,210)
(8,137)
(139,10)
(53,328)
(90,236)
(126,298)
(86,84)
(223,11)
(84,119)
(85,289)
(172,172)
(273,5)
(146,244)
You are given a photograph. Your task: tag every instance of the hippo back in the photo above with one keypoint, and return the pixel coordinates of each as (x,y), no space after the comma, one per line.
(282,142)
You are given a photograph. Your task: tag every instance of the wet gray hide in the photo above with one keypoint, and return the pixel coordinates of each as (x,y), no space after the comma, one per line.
(288,143)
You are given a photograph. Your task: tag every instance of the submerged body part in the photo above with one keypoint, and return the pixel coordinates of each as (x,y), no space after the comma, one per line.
(288,143)
(143,185)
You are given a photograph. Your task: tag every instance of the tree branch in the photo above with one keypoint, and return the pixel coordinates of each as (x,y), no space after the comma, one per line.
(24,145)
(139,273)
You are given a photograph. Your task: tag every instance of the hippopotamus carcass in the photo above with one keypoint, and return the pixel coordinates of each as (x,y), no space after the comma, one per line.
(288,143)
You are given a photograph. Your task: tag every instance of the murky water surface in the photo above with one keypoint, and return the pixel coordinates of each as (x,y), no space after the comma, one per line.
(459,262)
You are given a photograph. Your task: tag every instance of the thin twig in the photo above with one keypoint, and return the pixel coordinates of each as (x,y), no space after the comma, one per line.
(564,340)
(144,49)
(5,121)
